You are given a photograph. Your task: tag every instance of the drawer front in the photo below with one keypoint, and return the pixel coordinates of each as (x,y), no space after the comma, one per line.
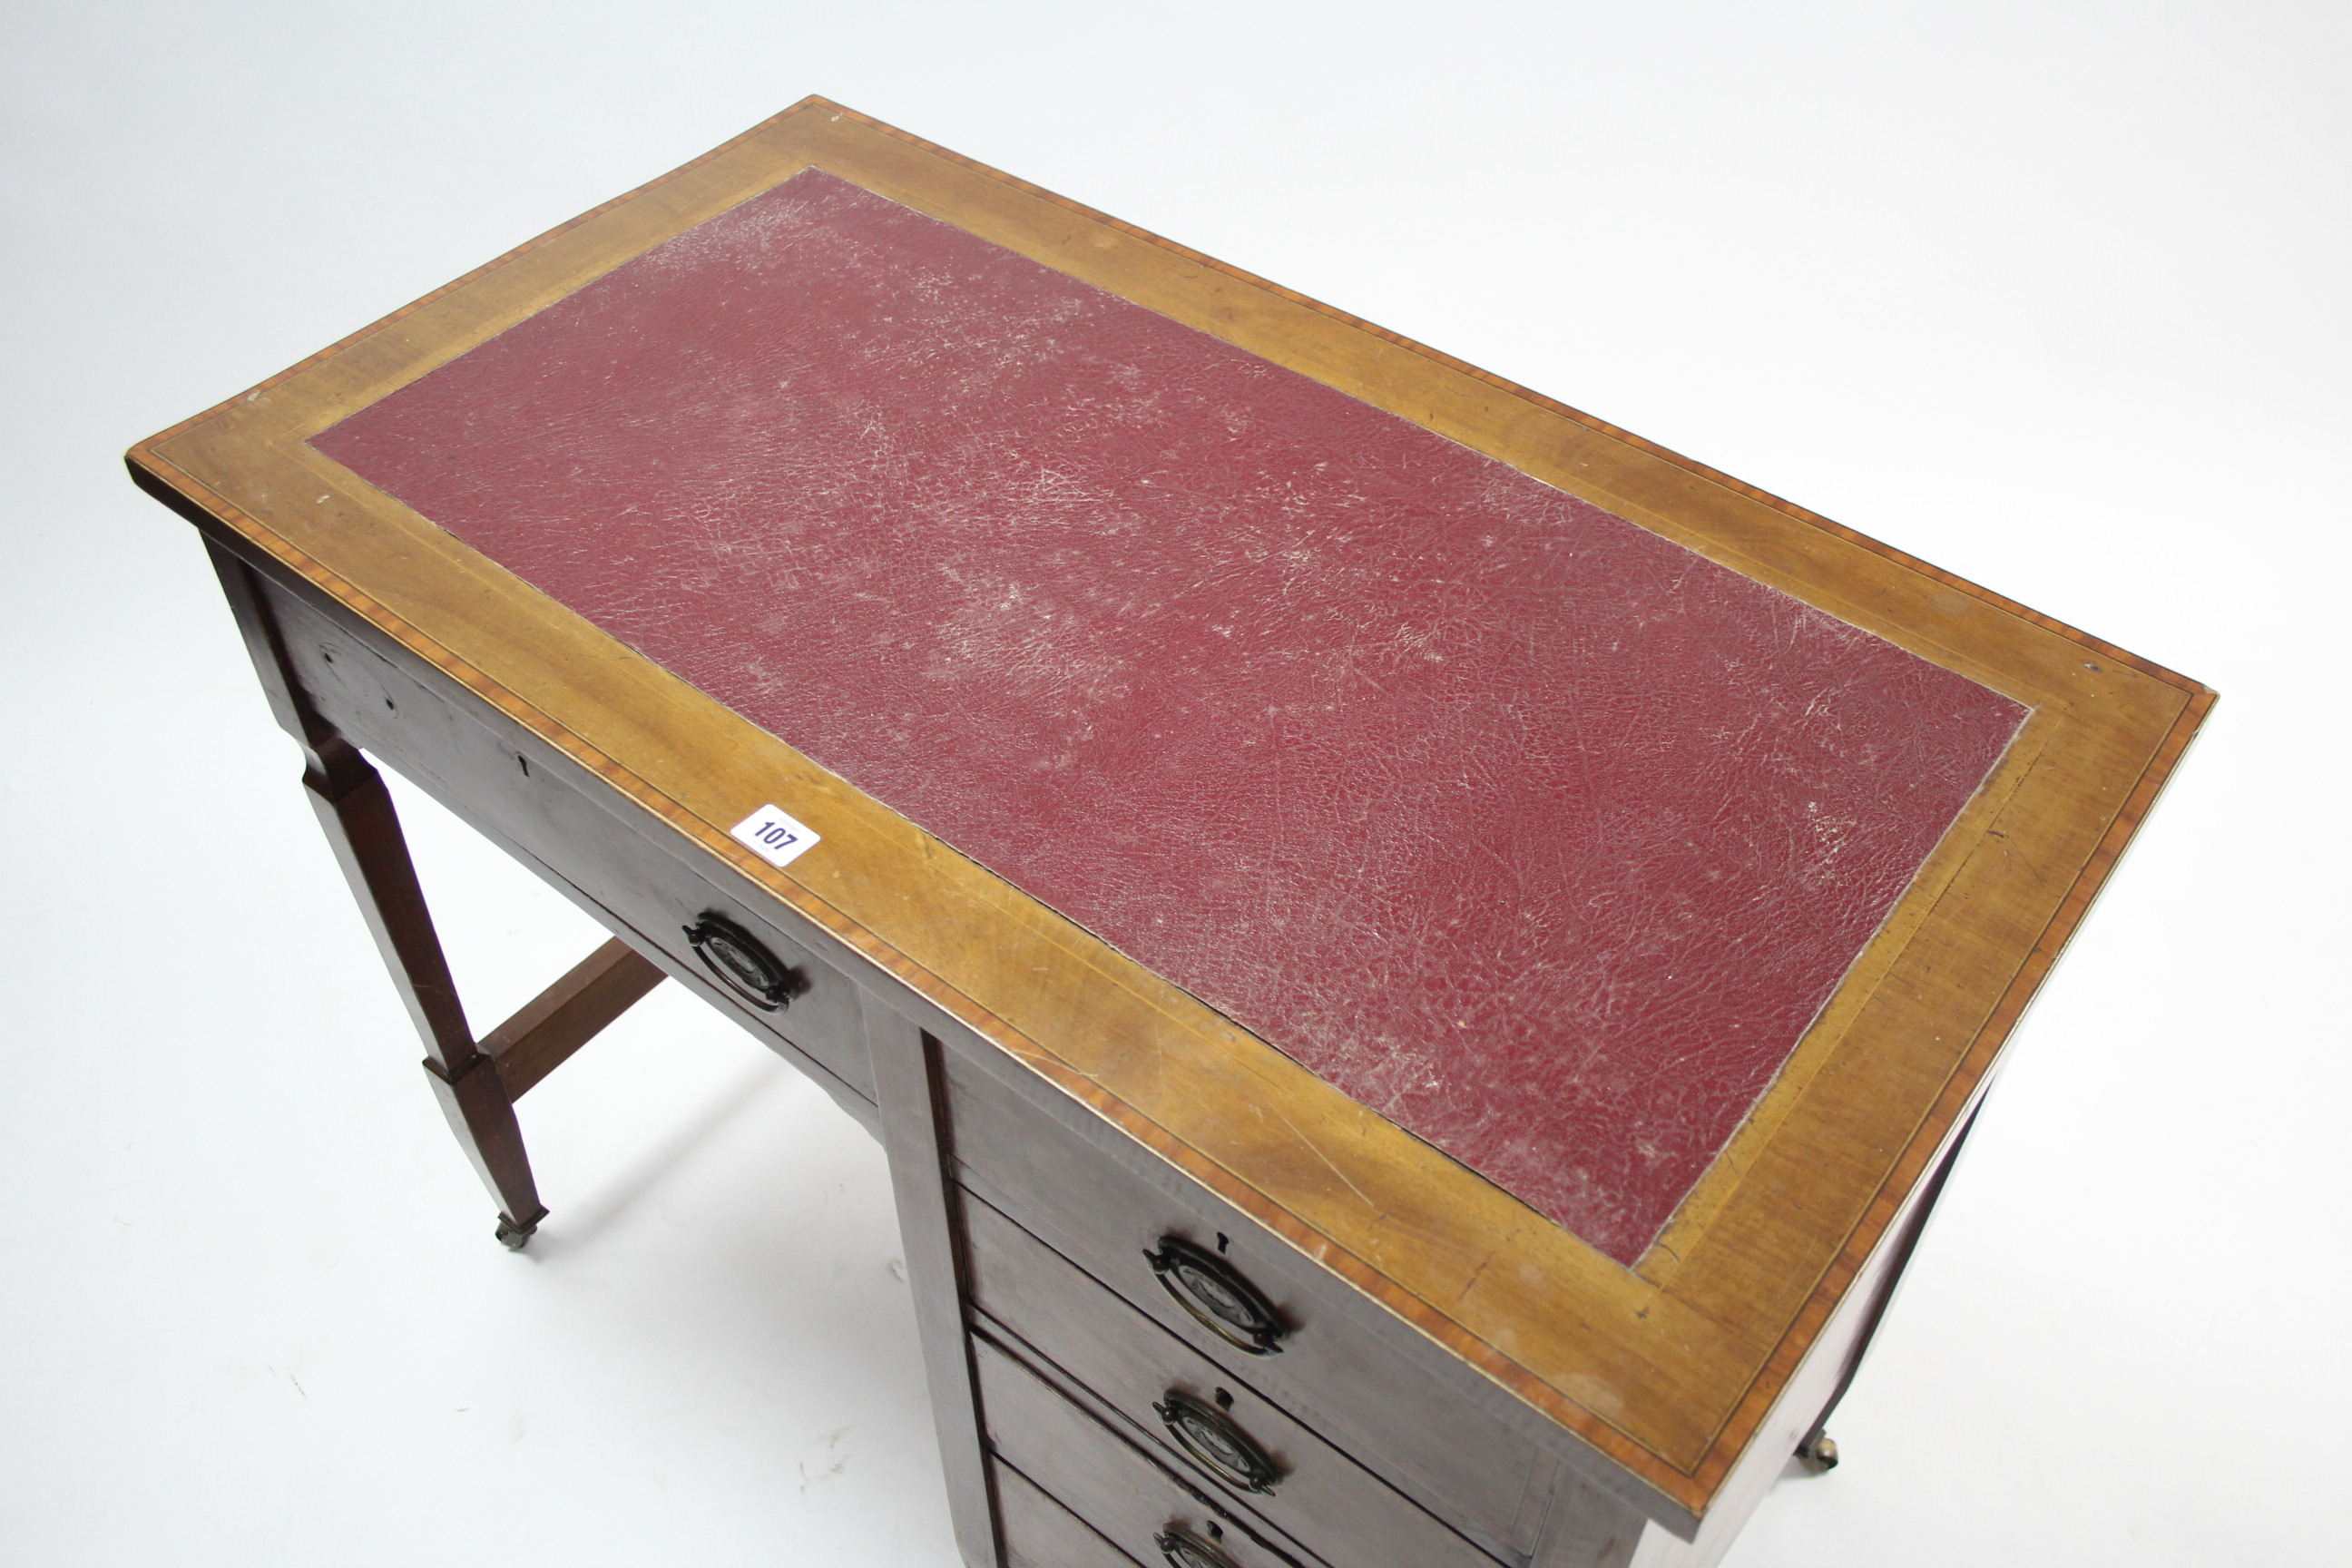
(1109,1482)
(1041,1533)
(553,815)
(1343,1368)
(1167,1392)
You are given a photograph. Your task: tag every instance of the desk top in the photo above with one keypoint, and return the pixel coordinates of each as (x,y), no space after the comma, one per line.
(1571,894)
(1541,835)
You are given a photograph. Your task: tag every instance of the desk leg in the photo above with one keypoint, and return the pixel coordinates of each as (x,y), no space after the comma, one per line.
(910,1082)
(1819,1451)
(356,811)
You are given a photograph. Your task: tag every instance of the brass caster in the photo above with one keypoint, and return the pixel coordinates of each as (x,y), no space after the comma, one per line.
(1818,1453)
(512,1236)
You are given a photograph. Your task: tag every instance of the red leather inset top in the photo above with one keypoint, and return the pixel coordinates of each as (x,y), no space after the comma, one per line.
(1536,832)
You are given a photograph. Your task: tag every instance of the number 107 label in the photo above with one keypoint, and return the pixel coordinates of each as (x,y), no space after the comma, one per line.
(778,839)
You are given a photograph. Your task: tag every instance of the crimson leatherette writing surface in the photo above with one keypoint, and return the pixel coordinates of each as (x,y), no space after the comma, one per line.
(1542,835)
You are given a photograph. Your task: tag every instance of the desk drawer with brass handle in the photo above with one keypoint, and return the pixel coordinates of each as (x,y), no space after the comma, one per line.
(1196,1413)
(1144,1509)
(551,813)
(1251,1306)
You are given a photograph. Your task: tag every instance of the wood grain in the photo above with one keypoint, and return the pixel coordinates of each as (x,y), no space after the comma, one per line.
(1041,1533)
(1127,1497)
(542,1035)
(1666,1370)
(1322,1498)
(918,1137)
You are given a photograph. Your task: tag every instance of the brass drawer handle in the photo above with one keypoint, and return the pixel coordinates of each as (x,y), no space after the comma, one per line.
(744,966)
(1214,1292)
(1221,1448)
(1185,1550)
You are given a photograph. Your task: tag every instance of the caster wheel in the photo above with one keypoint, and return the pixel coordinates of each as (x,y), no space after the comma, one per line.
(1818,1455)
(513,1237)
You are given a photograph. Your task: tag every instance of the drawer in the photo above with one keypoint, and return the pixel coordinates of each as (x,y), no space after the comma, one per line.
(1109,1482)
(1308,1489)
(630,871)
(1041,1533)
(1344,1366)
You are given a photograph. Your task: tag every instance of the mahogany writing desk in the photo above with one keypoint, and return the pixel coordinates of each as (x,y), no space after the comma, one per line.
(1418,959)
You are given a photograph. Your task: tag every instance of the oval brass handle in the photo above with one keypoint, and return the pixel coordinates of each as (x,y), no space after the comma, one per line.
(1183,1549)
(1214,1292)
(1210,1436)
(746,968)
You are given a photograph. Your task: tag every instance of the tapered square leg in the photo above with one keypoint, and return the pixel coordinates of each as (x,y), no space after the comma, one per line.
(355,810)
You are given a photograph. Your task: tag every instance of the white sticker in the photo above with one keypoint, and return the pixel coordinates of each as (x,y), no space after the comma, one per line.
(779,839)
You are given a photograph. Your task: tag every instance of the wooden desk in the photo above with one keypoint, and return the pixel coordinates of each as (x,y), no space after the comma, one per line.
(1418,959)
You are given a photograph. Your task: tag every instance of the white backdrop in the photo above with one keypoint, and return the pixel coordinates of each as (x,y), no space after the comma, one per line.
(2053,294)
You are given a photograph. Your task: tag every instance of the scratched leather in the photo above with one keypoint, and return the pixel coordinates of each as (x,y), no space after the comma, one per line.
(1532,830)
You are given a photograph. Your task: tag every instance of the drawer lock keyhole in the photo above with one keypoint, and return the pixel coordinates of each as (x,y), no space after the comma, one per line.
(743,964)
(1214,1292)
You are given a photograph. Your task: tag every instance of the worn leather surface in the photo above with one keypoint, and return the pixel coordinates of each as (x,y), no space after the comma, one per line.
(1539,833)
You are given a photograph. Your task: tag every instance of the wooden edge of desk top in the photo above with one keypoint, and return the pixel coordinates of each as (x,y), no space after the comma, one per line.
(1666,1369)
